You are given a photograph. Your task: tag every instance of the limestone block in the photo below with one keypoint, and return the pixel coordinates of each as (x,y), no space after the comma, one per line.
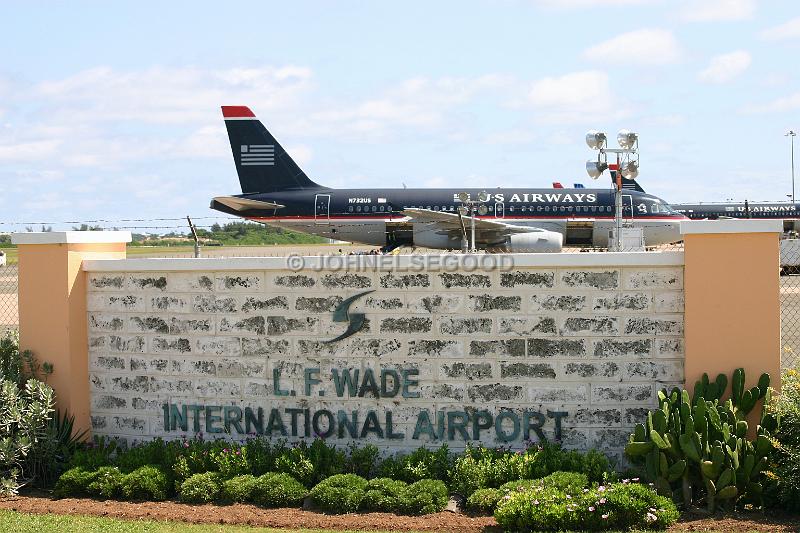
(106,322)
(150,282)
(239,282)
(453,325)
(435,348)
(497,348)
(590,279)
(539,325)
(622,347)
(556,348)
(593,371)
(595,325)
(641,393)
(100,301)
(99,281)
(527,279)
(558,302)
(662,277)
(517,370)
(434,303)
(482,303)
(190,282)
(450,280)
(637,301)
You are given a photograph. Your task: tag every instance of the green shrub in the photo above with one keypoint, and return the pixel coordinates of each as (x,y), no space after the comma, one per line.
(147,482)
(362,461)
(238,489)
(107,482)
(419,464)
(783,488)
(93,455)
(342,493)
(201,488)
(231,461)
(384,495)
(278,490)
(479,467)
(484,501)
(74,482)
(426,496)
(312,463)
(569,482)
(25,414)
(605,507)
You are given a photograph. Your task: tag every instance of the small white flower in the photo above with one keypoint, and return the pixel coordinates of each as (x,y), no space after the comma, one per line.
(651,517)
(591,509)
(605,516)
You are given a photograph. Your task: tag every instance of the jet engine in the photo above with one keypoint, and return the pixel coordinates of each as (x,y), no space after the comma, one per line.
(542,241)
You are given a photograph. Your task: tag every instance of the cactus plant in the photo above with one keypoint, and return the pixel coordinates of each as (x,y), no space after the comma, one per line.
(698,447)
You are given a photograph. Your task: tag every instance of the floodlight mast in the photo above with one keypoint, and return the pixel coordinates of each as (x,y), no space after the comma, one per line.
(471,206)
(627,166)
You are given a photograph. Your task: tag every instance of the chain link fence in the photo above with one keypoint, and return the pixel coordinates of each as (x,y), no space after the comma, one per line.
(790,302)
(9,314)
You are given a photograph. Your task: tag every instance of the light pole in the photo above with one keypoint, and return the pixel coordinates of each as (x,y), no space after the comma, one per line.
(627,167)
(469,207)
(791,134)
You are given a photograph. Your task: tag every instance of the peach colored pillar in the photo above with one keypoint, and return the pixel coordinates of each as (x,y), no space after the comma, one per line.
(732,309)
(52,306)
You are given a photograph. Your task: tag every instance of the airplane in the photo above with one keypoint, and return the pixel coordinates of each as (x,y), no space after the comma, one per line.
(789,212)
(277,192)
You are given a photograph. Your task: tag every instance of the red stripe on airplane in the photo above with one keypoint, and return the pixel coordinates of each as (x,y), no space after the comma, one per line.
(237,111)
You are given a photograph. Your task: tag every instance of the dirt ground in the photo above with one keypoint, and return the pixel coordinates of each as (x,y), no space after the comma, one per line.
(251,515)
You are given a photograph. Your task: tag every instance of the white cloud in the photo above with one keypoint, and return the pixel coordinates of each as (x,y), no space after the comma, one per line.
(788,30)
(718,10)
(724,68)
(573,97)
(648,46)
(29,151)
(171,95)
(783,104)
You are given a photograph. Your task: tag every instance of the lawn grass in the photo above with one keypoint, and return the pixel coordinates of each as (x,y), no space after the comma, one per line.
(35,523)
(11,255)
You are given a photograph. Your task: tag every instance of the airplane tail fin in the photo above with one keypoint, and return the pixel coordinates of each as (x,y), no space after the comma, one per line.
(261,162)
(631,185)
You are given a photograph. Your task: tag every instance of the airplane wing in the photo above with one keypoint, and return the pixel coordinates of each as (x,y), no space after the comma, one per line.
(486,230)
(244,204)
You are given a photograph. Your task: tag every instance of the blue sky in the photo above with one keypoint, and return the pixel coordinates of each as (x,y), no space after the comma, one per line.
(110,110)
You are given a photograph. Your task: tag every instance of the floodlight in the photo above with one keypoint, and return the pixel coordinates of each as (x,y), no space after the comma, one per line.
(462,210)
(482,210)
(627,139)
(595,168)
(463,196)
(483,196)
(595,139)
(630,170)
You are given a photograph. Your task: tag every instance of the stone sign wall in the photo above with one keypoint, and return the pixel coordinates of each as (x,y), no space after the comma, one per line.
(496,356)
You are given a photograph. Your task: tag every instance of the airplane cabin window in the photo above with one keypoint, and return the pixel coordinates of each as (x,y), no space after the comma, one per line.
(374,208)
(358,209)
(350,209)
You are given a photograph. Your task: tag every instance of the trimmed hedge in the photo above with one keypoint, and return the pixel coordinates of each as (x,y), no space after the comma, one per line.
(201,488)
(147,482)
(384,495)
(339,494)
(617,506)
(238,489)
(278,490)
(426,496)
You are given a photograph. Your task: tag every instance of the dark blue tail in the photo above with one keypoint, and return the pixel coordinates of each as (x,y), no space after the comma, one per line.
(261,162)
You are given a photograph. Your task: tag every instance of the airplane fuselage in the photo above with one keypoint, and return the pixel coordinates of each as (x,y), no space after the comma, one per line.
(374,216)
